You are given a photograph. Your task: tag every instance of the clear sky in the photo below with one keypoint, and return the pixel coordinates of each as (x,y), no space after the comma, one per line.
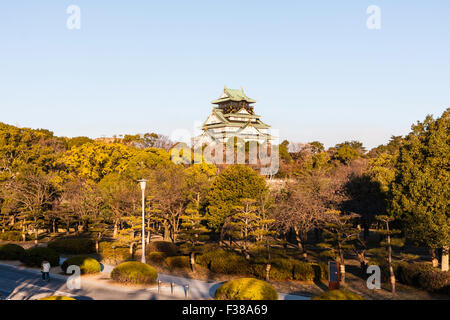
(316,70)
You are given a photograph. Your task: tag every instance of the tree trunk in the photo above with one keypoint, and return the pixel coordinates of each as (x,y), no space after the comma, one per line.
(434,258)
(35,235)
(192,261)
(268,266)
(444,259)
(391,269)
(115,230)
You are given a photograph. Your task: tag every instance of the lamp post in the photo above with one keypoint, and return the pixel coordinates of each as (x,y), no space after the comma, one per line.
(142,183)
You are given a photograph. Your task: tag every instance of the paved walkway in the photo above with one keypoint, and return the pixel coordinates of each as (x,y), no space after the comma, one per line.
(17,282)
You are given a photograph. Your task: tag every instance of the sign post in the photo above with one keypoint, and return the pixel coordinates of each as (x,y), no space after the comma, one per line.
(333,275)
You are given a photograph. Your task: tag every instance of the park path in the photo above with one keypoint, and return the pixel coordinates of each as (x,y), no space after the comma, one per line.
(198,289)
(18,282)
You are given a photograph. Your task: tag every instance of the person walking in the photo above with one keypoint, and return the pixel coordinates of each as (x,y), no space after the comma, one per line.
(45,269)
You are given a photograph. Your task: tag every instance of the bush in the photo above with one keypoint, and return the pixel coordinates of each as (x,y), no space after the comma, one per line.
(11,251)
(73,246)
(113,255)
(134,272)
(423,276)
(57,298)
(156,257)
(225,262)
(178,262)
(289,269)
(246,289)
(33,257)
(168,248)
(339,294)
(87,264)
(11,236)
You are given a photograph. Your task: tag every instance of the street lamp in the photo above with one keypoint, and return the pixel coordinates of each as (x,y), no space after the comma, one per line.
(143,182)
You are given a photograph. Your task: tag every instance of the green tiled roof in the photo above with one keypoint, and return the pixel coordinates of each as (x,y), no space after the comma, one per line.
(233,95)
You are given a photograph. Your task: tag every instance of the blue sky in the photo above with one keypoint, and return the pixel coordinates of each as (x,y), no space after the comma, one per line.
(315,69)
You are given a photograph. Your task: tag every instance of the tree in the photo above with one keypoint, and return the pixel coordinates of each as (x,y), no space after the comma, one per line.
(235,183)
(121,196)
(421,187)
(346,154)
(168,189)
(340,236)
(301,207)
(35,193)
(388,232)
(284,151)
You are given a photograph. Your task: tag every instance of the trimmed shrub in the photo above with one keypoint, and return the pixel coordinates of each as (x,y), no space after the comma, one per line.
(423,276)
(320,271)
(225,262)
(87,264)
(339,294)
(168,248)
(134,272)
(289,269)
(178,262)
(156,257)
(114,255)
(12,236)
(33,257)
(58,298)
(11,251)
(246,289)
(73,246)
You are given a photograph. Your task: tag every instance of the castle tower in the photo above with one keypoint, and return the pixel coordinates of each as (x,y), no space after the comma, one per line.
(233,116)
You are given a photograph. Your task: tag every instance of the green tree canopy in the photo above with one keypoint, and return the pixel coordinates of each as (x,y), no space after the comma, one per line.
(421,188)
(235,183)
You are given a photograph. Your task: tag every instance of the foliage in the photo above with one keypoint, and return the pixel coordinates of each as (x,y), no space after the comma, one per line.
(246,289)
(235,183)
(339,294)
(424,276)
(156,257)
(289,269)
(11,236)
(223,261)
(167,248)
(113,253)
(73,245)
(134,272)
(421,188)
(346,154)
(33,257)
(11,251)
(87,264)
(178,262)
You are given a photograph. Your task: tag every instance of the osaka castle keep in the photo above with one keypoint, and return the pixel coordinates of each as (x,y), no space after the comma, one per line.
(233,116)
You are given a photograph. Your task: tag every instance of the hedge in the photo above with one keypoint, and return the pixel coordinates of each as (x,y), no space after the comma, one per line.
(225,262)
(12,236)
(73,246)
(156,257)
(178,262)
(11,251)
(289,269)
(113,255)
(168,248)
(246,289)
(423,276)
(57,298)
(134,272)
(87,264)
(339,294)
(33,257)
